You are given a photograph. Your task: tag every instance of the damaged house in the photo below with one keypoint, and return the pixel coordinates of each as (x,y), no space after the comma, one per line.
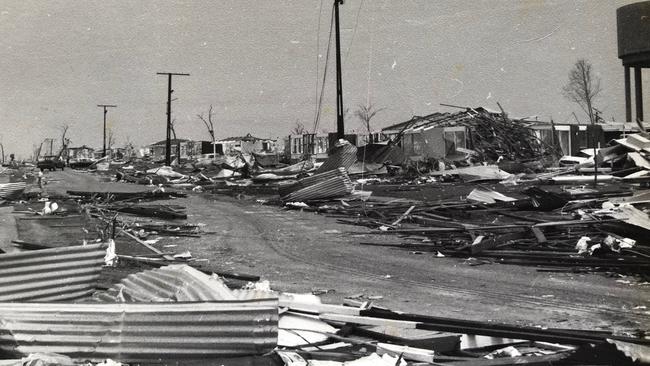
(80,154)
(188,149)
(572,138)
(245,144)
(317,145)
(438,135)
(452,135)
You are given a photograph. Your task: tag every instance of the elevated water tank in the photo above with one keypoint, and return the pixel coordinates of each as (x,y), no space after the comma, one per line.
(633,24)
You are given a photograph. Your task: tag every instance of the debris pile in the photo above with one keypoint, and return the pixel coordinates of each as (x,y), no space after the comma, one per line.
(538,228)
(494,136)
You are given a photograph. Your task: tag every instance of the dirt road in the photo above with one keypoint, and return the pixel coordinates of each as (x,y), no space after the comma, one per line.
(301,252)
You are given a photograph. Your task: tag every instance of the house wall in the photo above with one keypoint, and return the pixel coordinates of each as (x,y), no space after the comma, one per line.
(77,154)
(245,147)
(428,143)
(573,138)
(187,150)
(316,145)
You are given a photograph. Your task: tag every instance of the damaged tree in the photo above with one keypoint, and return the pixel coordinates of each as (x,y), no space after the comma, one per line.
(210,126)
(110,140)
(583,88)
(298,128)
(366,113)
(65,142)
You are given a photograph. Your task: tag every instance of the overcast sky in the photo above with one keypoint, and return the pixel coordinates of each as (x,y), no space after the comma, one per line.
(256,62)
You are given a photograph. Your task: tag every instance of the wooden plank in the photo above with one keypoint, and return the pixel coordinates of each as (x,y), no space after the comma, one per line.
(481,243)
(437,341)
(539,235)
(408,353)
(403,216)
(312,308)
(365,320)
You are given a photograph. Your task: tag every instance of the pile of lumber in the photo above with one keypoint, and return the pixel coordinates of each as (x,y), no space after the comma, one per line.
(590,230)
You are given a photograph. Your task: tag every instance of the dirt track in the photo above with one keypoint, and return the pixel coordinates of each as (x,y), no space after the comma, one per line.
(302,252)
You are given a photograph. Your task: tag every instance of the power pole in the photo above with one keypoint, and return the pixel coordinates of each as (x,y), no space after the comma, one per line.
(168,143)
(105,111)
(340,125)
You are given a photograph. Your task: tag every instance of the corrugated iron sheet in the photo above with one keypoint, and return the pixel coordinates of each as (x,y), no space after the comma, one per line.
(12,191)
(337,186)
(286,189)
(132,332)
(51,274)
(343,156)
(172,283)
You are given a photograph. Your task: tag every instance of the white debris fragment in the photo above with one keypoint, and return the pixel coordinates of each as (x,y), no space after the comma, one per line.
(184,255)
(111,257)
(582,245)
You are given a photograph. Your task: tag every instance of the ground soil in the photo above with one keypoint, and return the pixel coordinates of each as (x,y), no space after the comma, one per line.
(304,252)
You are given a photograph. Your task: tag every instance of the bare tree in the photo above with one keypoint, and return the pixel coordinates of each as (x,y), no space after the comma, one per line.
(64,131)
(172,126)
(583,87)
(298,128)
(210,126)
(366,113)
(110,140)
(65,142)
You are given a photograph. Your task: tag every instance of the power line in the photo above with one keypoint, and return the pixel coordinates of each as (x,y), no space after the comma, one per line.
(327,56)
(320,14)
(354,32)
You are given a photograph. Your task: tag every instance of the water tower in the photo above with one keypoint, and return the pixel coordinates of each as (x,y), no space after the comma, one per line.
(633,24)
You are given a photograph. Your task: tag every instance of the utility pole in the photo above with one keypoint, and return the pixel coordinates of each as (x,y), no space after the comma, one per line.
(168,143)
(105,111)
(340,125)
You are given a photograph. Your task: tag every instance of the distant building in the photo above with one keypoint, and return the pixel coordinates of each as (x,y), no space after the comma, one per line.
(572,138)
(80,154)
(245,144)
(188,149)
(317,145)
(114,153)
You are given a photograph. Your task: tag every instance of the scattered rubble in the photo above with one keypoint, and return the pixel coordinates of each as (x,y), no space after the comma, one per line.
(497,205)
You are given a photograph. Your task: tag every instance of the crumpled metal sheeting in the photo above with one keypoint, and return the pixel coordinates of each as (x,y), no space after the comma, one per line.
(285,189)
(141,331)
(485,195)
(56,274)
(343,155)
(173,283)
(12,191)
(338,186)
(252,294)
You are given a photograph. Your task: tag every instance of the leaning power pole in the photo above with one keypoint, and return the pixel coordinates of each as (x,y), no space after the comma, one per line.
(168,142)
(105,111)
(340,125)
